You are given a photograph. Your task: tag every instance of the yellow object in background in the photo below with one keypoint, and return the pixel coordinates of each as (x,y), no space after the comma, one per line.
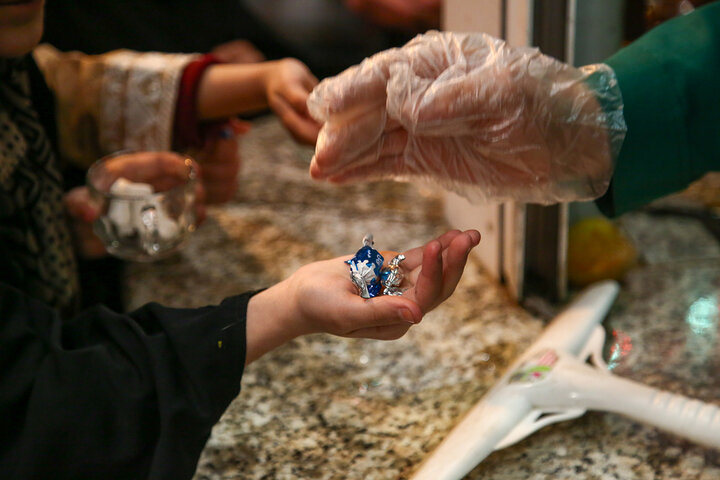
(598,250)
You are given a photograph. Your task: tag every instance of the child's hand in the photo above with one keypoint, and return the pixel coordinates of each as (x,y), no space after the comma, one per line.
(320,297)
(81,213)
(220,161)
(287,88)
(435,269)
(329,302)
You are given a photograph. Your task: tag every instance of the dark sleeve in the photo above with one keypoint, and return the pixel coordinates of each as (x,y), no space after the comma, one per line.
(111,396)
(670,83)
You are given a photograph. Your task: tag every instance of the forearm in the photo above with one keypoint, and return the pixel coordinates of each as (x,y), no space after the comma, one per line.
(232,88)
(270,321)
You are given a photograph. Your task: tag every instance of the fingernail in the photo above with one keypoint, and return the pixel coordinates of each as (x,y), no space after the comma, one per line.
(407,316)
(240,126)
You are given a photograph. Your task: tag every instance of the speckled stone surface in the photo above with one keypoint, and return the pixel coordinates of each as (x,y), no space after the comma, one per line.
(322,407)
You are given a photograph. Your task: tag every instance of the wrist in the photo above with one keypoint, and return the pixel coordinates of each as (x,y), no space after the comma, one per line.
(269,74)
(230,89)
(272,320)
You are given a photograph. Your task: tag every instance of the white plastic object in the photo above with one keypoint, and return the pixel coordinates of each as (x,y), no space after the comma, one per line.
(558,378)
(505,406)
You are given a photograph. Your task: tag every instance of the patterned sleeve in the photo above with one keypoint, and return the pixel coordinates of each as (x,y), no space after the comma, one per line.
(121,100)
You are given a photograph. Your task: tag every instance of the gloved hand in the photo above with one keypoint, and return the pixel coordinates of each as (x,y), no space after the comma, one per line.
(482,118)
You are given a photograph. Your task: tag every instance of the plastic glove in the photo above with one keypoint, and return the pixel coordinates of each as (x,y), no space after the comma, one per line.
(484,119)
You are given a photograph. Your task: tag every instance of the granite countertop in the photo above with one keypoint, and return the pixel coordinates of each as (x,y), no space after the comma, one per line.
(323,407)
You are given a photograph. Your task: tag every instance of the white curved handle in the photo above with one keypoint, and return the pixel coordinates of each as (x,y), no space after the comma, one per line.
(474,438)
(687,417)
(578,384)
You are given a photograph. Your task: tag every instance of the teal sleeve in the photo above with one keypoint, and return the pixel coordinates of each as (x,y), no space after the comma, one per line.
(670,84)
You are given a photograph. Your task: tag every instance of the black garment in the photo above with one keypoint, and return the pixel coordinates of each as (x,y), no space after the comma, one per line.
(22,184)
(111,396)
(34,237)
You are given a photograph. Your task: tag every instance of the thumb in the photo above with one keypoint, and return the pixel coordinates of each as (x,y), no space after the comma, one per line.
(79,205)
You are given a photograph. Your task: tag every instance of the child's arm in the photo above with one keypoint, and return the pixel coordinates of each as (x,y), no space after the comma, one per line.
(283,85)
(125,100)
(150,384)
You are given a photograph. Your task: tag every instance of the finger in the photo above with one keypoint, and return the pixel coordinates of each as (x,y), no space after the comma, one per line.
(352,88)
(369,158)
(357,150)
(296,95)
(200,213)
(469,100)
(388,332)
(360,85)
(358,313)
(414,256)
(222,167)
(217,192)
(341,144)
(229,128)
(87,243)
(304,130)
(309,82)
(79,205)
(200,193)
(200,208)
(147,166)
(394,142)
(447,240)
(456,259)
(449,161)
(240,127)
(382,167)
(428,286)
